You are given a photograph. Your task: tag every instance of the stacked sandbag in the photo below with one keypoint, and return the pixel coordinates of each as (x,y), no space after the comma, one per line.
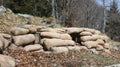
(92,38)
(4,41)
(25,38)
(34,47)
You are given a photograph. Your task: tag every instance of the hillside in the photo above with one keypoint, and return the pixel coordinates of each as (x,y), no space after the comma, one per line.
(29,41)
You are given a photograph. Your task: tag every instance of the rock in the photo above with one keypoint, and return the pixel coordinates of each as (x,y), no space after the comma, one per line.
(55,35)
(86,33)
(48,43)
(6,61)
(59,49)
(33,47)
(19,31)
(22,40)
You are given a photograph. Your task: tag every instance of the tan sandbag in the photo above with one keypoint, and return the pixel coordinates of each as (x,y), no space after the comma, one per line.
(59,49)
(55,35)
(19,31)
(1,44)
(92,31)
(12,46)
(90,44)
(50,34)
(105,38)
(90,38)
(4,43)
(107,46)
(73,30)
(31,28)
(33,47)
(7,61)
(99,48)
(6,36)
(77,48)
(86,33)
(23,39)
(65,37)
(100,41)
(48,43)
(41,50)
(57,30)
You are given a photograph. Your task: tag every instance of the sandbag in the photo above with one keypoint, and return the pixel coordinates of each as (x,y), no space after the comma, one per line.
(50,34)
(23,39)
(99,48)
(33,28)
(93,31)
(19,31)
(77,48)
(90,44)
(59,49)
(4,43)
(65,37)
(6,36)
(57,30)
(73,30)
(7,61)
(107,46)
(85,33)
(48,43)
(33,47)
(90,38)
(13,46)
(55,35)
(100,41)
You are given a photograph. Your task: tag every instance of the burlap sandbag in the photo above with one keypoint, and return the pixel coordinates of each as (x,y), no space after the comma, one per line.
(86,33)
(19,31)
(24,39)
(55,35)
(100,41)
(48,43)
(58,30)
(99,48)
(77,48)
(59,49)
(7,61)
(92,31)
(33,28)
(33,47)
(90,44)
(73,30)
(107,46)
(50,34)
(4,43)
(90,38)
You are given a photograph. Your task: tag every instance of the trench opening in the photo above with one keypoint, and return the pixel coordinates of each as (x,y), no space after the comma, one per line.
(76,38)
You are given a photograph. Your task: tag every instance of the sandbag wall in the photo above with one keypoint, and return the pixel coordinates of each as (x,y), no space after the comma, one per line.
(39,38)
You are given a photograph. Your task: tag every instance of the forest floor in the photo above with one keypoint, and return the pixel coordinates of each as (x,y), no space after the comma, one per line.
(80,58)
